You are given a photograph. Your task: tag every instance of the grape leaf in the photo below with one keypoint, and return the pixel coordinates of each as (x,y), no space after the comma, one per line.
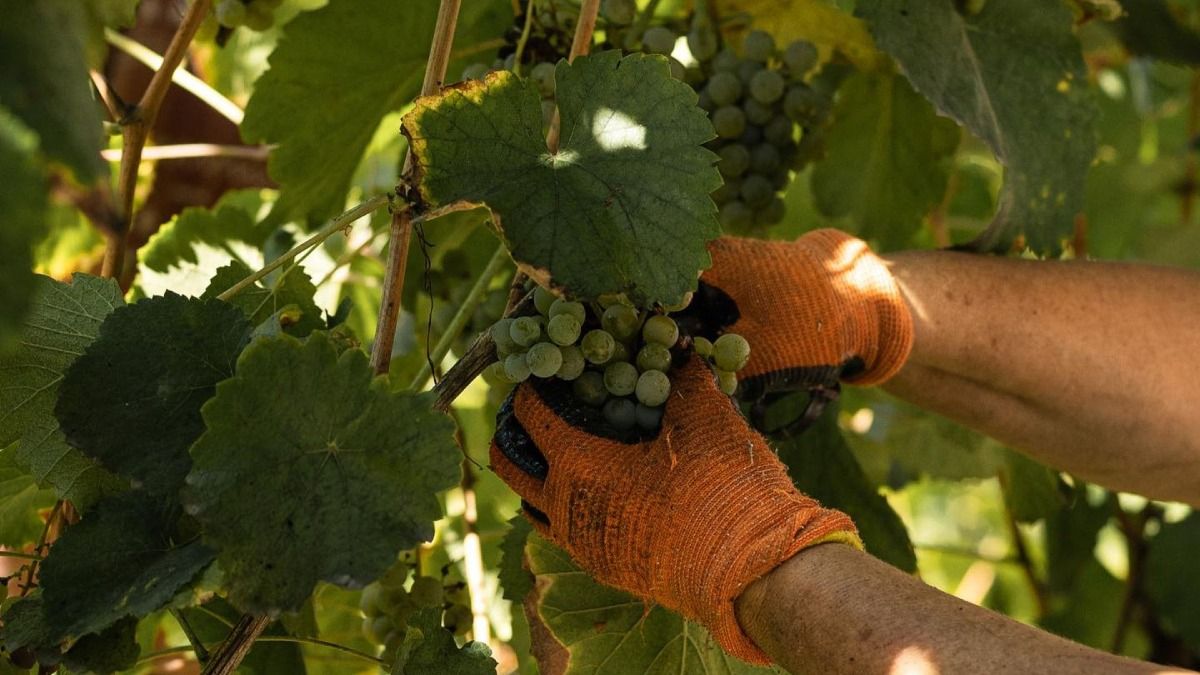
(176,243)
(44,81)
(817,21)
(1170,577)
(1013,75)
(434,651)
(885,163)
(23,203)
(20,500)
(132,401)
(334,75)
(1031,489)
(515,579)
(1071,536)
(311,470)
(609,631)
(25,626)
(63,321)
(622,207)
(126,557)
(1149,29)
(259,304)
(113,649)
(1089,613)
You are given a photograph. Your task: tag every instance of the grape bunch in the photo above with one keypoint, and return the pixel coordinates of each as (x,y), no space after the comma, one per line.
(617,358)
(257,15)
(387,604)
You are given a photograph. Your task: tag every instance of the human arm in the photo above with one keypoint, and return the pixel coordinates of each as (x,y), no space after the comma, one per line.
(1089,367)
(834,609)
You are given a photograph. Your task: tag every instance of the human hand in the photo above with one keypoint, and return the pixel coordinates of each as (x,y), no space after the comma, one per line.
(686,517)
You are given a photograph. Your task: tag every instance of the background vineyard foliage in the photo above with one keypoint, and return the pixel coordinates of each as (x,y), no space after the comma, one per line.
(329,85)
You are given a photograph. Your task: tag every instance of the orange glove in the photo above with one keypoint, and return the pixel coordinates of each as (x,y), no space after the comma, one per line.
(816,310)
(687,518)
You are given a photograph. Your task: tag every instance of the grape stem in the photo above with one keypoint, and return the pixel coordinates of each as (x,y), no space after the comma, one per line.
(190,633)
(520,50)
(580,45)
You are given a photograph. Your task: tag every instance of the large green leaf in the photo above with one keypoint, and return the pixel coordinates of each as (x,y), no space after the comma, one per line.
(1171,577)
(111,650)
(127,557)
(1013,75)
(44,81)
(132,401)
(606,631)
(1031,489)
(885,158)
(224,226)
(1071,536)
(20,501)
(335,74)
(311,470)
(622,206)
(23,203)
(515,579)
(429,649)
(290,288)
(63,321)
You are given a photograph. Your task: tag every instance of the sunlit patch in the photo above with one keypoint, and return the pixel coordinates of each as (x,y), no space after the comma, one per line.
(617,131)
(913,661)
(683,54)
(560,158)
(861,421)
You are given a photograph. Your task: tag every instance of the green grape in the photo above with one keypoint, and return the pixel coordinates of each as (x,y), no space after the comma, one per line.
(475,71)
(620,378)
(765,158)
(729,121)
(654,356)
(703,346)
(735,215)
(779,130)
(622,321)
(597,346)
(767,86)
(751,137)
(259,18)
(728,191)
(660,329)
(726,381)
(653,388)
(589,388)
(747,69)
(376,629)
(735,159)
(619,12)
(621,413)
(395,576)
(757,191)
(457,619)
(659,40)
(542,299)
(757,113)
(502,336)
(758,46)
(802,103)
(702,43)
(726,61)
(731,352)
(646,417)
(572,363)
(724,88)
(516,367)
(525,330)
(609,299)
(800,57)
(368,602)
(543,75)
(563,330)
(231,13)
(426,592)
(495,376)
(681,305)
(572,309)
(771,214)
(544,359)
(621,352)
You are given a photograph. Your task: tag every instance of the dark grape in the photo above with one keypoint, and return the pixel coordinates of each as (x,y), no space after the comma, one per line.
(758,46)
(724,88)
(589,388)
(800,57)
(753,135)
(765,158)
(659,40)
(621,413)
(729,121)
(803,103)
(771,214)
(757,191)
(767,86)
(705,102)
(646,417)
(757,113)
(735,159)
(726,61)
(735,215)
(702,43)
(746,71)
(779,130)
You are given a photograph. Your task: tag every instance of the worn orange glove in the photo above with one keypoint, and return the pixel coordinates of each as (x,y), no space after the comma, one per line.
(816,310)
(686,519)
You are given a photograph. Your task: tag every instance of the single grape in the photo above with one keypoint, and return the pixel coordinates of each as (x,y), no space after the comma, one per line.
(572,363)
(779,130)
(368,602)
(660,329)
(771,214)
(646,417)
(543,75)
(758,46)
(589,388)
(620,378)
(800,57)
(654,356)
(728,191)
(705,102)
(597,346)
(622,321)
(563,329)
(803,103)
(729,121)
(702,43)
(231,13)
(525,330)
(502,336)
(702,346)
(726,61)
(572,309)
(621,413)
(475,71)
(731,352)
(653,388)
(619,12)
(542,299)
(724,88)
(757,113)
(735,159)
(658,40)
(544,359)
(259,18)
(767,86)
(426,592)
(495,376)
(765,158)
(726,381)
(516,367)
(757,191)
(395,576)
(735,215)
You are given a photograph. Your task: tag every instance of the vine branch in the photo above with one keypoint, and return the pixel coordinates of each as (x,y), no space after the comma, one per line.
(190,633)
(228,656)
(580,45)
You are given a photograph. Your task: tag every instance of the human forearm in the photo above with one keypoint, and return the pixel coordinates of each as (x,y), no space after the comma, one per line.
(833,609)
(1090,367)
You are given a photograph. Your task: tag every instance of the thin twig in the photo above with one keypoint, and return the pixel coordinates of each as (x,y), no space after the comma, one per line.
(190,633)
(1025,562)
(580,45)
(193,151)
(112,103)
(40,549)
(520,50)
(294,639)
(18,554)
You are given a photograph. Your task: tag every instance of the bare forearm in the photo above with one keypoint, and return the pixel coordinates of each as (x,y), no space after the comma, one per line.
(833,609)
(1090,367)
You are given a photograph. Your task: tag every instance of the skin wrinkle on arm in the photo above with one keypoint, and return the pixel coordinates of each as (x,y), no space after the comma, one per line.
(1090,367)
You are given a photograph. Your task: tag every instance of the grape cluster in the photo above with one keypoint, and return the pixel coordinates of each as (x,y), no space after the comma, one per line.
(616,357)
(387,604)
(258,15)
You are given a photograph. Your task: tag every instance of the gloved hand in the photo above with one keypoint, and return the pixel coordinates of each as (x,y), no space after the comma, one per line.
(816,310)
(686,518)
